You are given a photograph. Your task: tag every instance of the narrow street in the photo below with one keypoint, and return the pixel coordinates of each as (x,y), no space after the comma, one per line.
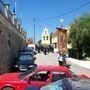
(51,59)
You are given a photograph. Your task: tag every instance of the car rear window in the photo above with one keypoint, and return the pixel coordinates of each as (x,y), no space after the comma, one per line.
(25,57)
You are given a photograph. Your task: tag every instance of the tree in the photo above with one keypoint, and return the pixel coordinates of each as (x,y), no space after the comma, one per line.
(80,35)
(39,42)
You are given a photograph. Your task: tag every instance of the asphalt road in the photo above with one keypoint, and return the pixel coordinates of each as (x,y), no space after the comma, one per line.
(51,59)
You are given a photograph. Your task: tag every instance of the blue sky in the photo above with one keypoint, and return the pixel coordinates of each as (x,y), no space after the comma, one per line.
(44,10)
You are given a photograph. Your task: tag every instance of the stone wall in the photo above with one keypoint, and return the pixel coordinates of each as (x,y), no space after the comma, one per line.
(11,43)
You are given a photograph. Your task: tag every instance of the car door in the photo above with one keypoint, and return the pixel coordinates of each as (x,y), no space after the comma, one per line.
(40,78)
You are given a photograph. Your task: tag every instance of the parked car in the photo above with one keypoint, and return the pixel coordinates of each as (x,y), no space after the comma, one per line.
(25,52)
(69,84)
(25,61)
(36,77)
(29,49)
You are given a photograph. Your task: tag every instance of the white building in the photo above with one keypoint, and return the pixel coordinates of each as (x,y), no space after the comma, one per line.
(55,42)
(45,37)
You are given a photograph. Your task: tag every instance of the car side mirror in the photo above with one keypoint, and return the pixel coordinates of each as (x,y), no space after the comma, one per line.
(27,79)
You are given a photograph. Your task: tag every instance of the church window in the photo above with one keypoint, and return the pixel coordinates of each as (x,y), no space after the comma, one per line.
(43,37)
(47,37)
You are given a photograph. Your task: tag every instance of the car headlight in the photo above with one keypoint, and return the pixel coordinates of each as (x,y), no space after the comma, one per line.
(16,66)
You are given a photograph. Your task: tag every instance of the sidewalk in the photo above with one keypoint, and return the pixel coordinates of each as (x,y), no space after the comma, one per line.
(82,63)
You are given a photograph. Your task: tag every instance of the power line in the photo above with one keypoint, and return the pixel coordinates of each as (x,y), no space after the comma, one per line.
(45,23)
(73,10)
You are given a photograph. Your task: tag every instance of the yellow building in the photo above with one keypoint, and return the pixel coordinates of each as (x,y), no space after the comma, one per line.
(59,40)
(45,37)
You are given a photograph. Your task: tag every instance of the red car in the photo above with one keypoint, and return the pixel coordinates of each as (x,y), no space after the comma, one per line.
(35,77)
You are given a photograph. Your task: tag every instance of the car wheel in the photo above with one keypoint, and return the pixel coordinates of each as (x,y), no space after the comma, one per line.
(7,88)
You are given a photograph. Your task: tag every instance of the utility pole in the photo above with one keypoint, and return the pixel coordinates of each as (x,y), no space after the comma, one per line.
(34,29)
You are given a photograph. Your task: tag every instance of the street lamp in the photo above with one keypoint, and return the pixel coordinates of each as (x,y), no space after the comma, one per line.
(61,22)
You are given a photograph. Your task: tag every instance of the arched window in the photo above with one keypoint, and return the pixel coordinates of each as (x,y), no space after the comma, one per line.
(47,37)
(9,43)
(0,31)
(43,37)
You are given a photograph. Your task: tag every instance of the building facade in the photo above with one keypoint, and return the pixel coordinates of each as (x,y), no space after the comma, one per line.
(59,40)
(12,38)
(55,41)
(30,41)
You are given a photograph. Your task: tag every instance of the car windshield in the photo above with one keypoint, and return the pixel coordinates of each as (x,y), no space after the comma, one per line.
(26,57)
(24,74)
